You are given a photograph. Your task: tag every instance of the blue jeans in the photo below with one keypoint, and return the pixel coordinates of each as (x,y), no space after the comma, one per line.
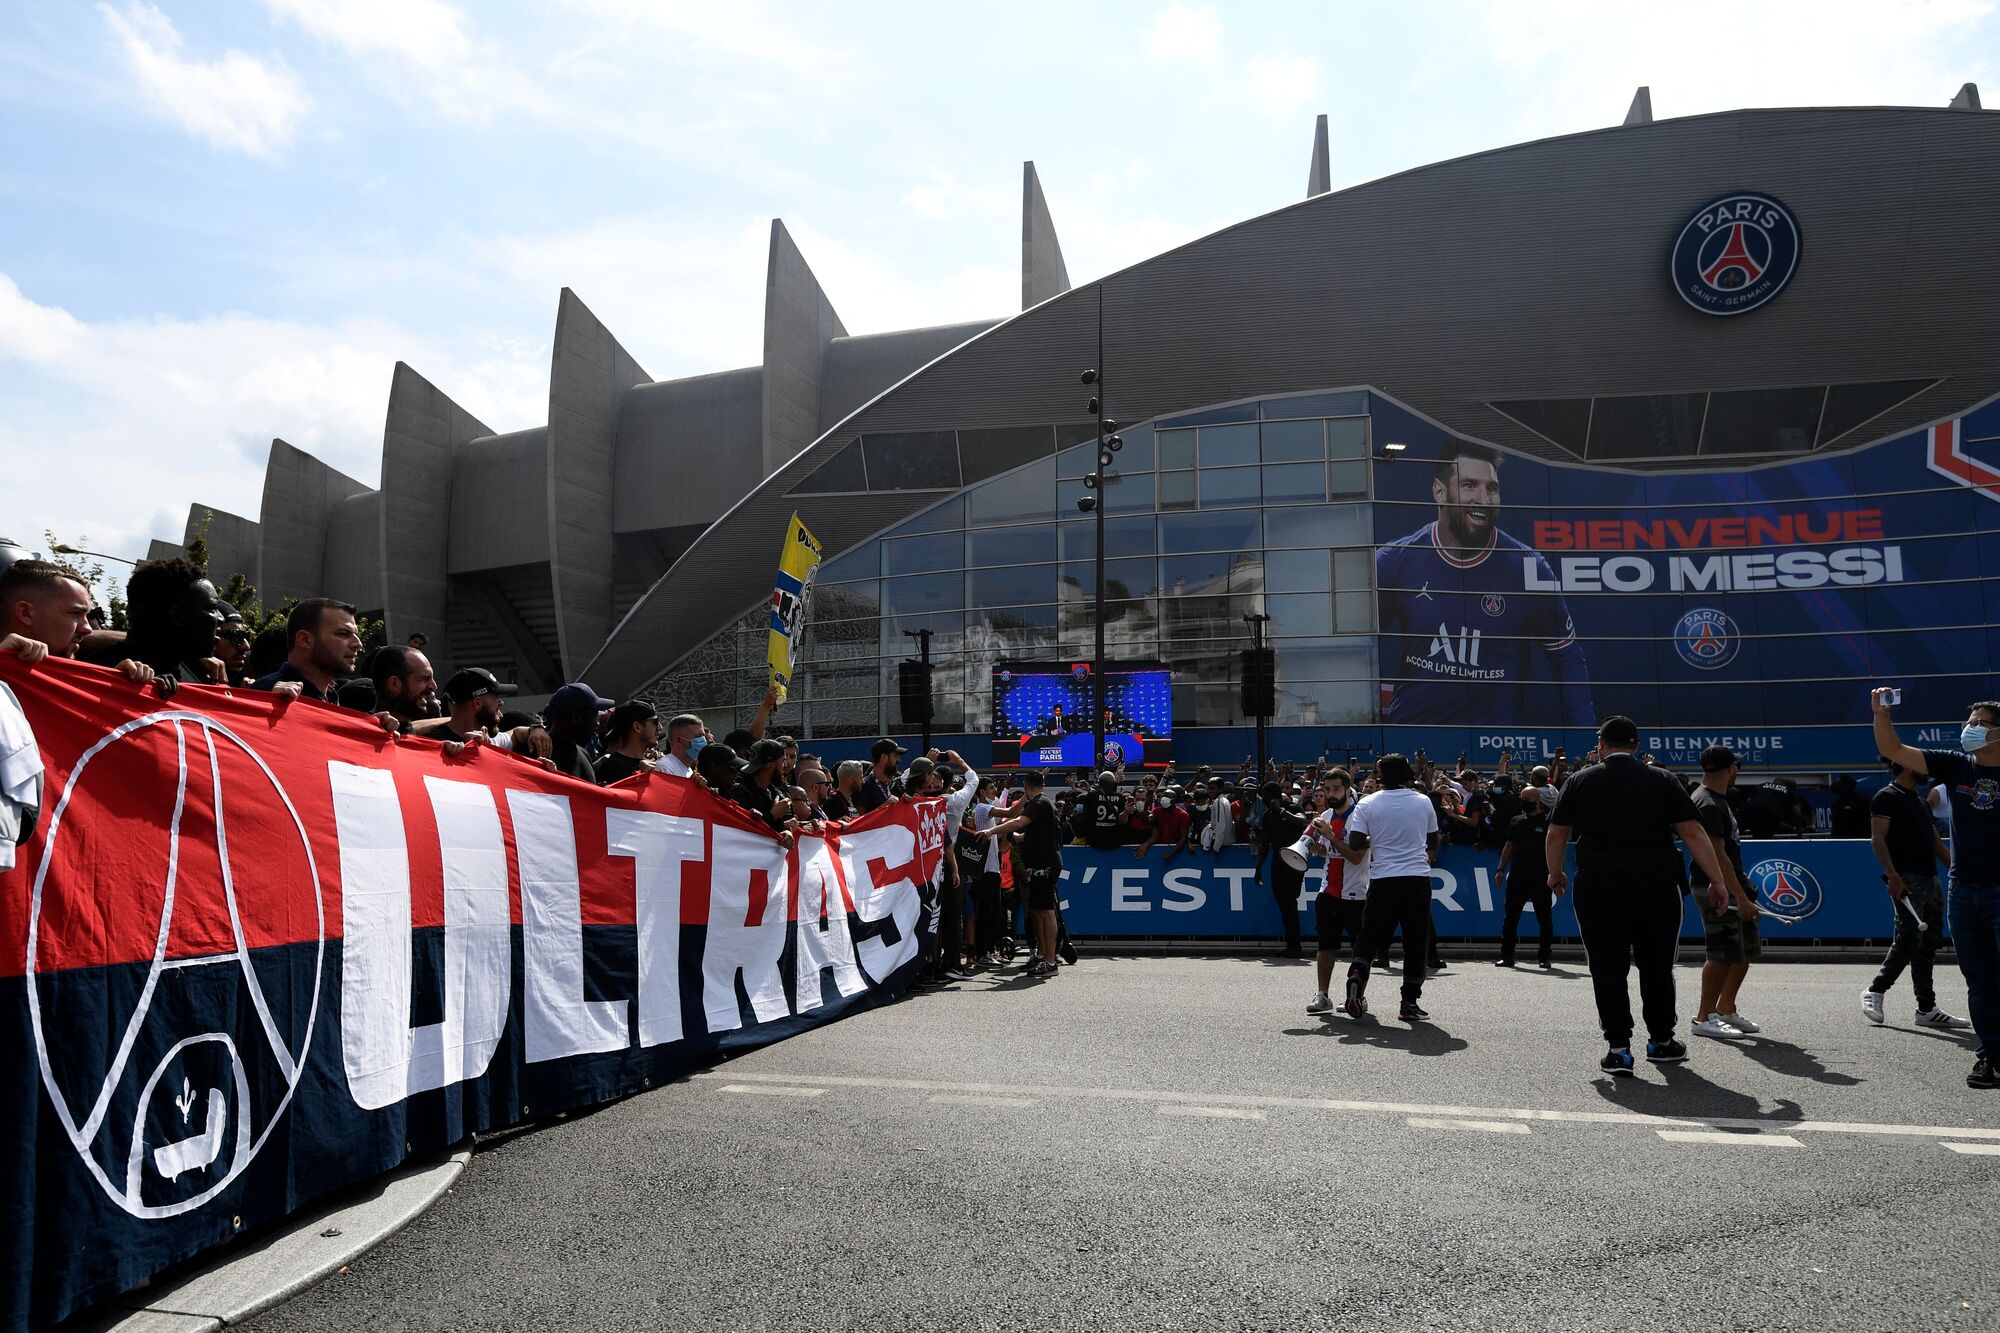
(1975,935)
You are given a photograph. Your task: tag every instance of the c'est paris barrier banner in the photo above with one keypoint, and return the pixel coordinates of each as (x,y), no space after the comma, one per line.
(254,953)
(1832,889)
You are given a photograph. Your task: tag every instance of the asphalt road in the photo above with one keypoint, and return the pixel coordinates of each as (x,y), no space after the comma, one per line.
(1172,1143)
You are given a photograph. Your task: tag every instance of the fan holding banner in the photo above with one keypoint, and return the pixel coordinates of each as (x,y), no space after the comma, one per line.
(797,563)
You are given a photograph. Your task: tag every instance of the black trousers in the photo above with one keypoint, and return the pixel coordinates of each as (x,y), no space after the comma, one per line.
(1523,889)
(1628,922)
(1398,900)
(1286,886)
(988,920)
(1912,948)
(951,923)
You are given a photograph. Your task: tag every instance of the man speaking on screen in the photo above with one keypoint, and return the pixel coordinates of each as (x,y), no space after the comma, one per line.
(1456,613)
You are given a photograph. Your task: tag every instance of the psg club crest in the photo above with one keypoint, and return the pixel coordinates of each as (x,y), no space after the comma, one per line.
(1735,254)
(1493,604)
(1786,888)
(1707,639)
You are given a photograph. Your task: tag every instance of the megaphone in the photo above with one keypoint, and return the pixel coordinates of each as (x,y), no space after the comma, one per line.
(1313,842)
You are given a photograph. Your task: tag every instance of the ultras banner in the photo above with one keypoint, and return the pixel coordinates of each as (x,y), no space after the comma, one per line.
(257,952)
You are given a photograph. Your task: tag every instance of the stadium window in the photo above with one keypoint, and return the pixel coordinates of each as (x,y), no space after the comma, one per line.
(1122,537)
(1300,615)
(1353,612)
(1123,579)
(921,555)
(1229,486)
(1214,416)
(1347,476)
(1294,441)
(1228,446)
(1294,483)
(1129,493)
(1762,421)
(863,562)
(1026,493)
(1316,525)
(1657,425)
(1010,585)
(842,472)
(1009,546)
(1348,438)
(1222,530)
(1561,421)
(1296,571)
(1852,405)
(988,453)
(1176,449)
(918,460)
(1348,403)
(922,594)
(1351,570)
(946,517)
(860,600)
(1177,490)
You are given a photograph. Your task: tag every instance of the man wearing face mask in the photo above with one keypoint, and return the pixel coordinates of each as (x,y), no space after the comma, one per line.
(687,737)
(1170,826)
(1971,779)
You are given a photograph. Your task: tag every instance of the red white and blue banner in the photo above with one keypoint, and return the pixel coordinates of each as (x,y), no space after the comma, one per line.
(254,953)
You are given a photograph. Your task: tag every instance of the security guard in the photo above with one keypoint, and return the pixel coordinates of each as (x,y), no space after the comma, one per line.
(1625,816)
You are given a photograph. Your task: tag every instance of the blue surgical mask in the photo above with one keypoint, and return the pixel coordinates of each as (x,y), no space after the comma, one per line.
(695,747)
(1973,737)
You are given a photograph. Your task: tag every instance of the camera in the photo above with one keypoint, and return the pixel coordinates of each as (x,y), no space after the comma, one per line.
(1893,696)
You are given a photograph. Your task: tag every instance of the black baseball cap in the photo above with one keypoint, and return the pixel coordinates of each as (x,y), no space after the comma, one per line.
(764,752)
(1619,731)
(887,746)
(468,683)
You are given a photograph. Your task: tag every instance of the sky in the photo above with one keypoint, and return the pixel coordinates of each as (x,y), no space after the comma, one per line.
(223,222)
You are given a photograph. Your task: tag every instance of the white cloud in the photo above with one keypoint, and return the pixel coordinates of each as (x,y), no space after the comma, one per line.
(1284,85)
(1184,32)
(421,47)
(943,196)
(237,102)
(115,427)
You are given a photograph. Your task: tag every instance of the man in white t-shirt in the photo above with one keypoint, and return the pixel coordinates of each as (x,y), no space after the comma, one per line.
(686,735)
(1342,900)
(1397,826)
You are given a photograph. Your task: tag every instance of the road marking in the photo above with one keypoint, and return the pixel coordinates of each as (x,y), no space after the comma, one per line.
(772,1090)
(1483,1126)
(1213,1112)
(962,1099)
(1974,1149)
(1630,1119)
(1703,1136)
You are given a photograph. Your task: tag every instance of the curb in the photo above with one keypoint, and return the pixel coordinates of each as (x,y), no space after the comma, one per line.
(245,1280)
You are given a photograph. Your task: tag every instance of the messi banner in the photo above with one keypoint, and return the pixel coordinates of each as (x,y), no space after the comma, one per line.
(254,953)
(797,564)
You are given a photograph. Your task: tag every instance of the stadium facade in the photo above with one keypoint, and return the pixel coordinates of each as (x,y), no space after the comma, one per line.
(1732,384)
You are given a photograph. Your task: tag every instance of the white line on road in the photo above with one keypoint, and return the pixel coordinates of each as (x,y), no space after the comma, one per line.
(1703,1136)
(1483,1126)
(772,1090)
(1631,1119)
(962,1099)
(1974,1149)
(1214,1112)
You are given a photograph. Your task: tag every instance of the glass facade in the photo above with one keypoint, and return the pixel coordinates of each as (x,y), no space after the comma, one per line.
(1253,508)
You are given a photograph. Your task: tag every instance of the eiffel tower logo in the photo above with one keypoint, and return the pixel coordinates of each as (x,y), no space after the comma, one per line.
(1735,258)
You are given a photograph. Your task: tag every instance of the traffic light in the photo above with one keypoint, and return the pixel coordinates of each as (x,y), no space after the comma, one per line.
(913,683)
(1260,682)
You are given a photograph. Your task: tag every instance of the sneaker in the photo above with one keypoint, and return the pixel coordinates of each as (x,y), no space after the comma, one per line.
(955,973)
(1546,965)
(1617,1062)
(1739,1022)
(1668,1052)
(1411,1012)
(1319,1003)
(1871,1005)
(1357,1003)
(1983,1074)
(1503,962)
(1714,1026)
(1938,1018)
(1041,969)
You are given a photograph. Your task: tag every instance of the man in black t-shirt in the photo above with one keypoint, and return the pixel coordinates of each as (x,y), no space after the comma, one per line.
(571,716)
(1909,849)
(1731,926)
(1625,816)
(1099,817)
(1524,865)
(1971,780)
(880,783)
(1041,863)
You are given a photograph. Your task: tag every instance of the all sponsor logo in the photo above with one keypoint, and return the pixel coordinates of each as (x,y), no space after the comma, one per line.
(1735,254)
(180,1109)
(1707,638)
(1786,888)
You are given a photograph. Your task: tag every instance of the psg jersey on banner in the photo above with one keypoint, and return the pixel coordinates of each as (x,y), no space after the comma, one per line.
(1471,644)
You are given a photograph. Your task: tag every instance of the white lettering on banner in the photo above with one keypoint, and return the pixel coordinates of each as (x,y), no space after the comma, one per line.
(745,937)
(1483,887)
(1235,878)
(1750,571)
(558,1021)
(1185,881)
(660,847)
(825,941)
(1740,742)
(891,847)
(1446,891)
(384,1060)
(1128,890)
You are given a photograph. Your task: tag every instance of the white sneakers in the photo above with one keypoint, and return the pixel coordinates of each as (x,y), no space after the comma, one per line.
(1938,1018)
(1715,1026)
(1871,1005)
(1319,1004)
(1739,1022)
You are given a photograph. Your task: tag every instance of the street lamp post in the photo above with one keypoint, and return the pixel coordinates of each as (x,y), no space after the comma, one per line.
(1108,443)
(60,549)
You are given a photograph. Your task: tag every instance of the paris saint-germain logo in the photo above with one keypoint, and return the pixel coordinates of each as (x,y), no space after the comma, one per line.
(1493,604)
(1707,638)
(1786,888)
(1735,254)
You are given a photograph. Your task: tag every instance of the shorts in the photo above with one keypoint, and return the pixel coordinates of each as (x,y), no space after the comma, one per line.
(1042,895)
(1334,916)
(1731,939)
